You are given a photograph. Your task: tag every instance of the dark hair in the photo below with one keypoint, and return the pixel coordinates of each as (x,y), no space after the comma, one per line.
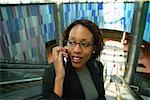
(94,29)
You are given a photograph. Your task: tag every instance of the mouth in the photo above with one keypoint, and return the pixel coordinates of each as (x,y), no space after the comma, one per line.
(76,59)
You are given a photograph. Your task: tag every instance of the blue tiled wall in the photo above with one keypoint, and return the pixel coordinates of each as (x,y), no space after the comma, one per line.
(98,13)
(146,35)
(74,11)
(118,18)
(24,30)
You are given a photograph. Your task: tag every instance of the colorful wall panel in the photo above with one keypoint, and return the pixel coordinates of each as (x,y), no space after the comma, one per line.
(24,30)
(118,18)
(146,35)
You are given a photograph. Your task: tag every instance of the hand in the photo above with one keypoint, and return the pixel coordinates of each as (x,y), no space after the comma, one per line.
(57,53)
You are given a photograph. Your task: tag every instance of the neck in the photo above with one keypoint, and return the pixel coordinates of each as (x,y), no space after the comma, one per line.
(81,68)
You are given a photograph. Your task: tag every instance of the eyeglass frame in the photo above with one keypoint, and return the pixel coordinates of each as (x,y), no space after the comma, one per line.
(81,44)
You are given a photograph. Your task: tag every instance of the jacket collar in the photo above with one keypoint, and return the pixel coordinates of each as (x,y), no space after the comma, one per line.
(73,86)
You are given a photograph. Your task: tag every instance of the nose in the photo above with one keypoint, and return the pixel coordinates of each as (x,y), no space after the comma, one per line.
(77,48)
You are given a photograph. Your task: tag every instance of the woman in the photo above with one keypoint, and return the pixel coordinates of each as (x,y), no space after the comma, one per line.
(82,77)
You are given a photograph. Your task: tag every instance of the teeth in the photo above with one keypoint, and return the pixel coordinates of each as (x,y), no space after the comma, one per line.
(76,59)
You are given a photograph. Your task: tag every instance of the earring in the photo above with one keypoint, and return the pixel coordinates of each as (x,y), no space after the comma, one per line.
(93,51)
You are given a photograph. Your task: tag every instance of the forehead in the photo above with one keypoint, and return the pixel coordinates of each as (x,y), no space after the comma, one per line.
(80,32)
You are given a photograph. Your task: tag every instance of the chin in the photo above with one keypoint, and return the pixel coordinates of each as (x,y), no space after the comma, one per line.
(76,65)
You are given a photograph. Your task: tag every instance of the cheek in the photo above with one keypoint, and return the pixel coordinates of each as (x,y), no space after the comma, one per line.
(69,51)
(87,55)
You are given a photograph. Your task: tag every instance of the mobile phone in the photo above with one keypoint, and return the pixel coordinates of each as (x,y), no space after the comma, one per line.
(65,61)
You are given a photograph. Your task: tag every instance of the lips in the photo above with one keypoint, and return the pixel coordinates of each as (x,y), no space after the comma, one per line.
(76,59)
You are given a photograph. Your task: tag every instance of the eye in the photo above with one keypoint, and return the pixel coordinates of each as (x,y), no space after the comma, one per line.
(71,42)
(85,44)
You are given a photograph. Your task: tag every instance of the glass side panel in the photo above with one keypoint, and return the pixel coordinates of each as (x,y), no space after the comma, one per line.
(11,72)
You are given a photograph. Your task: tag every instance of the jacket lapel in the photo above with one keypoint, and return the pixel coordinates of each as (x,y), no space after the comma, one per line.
(73,87)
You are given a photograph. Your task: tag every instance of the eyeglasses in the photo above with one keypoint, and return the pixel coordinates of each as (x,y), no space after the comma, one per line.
(83,45)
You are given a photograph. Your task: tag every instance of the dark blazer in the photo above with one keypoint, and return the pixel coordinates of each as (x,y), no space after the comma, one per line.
(72,88)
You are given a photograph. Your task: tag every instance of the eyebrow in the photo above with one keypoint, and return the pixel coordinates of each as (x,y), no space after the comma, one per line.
(81,39)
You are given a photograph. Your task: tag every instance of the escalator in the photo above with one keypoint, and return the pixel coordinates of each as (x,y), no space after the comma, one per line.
(24,81)
(21,81)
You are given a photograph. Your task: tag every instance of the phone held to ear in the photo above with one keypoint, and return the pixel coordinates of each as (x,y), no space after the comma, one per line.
(65,61)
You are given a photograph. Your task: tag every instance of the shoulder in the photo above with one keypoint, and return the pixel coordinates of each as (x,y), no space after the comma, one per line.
(49,72)
(99,67)
(50,68)
(98,64)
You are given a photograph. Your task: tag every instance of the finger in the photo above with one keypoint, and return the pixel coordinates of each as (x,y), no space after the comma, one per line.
(66,47)
(64,51)
(55,51)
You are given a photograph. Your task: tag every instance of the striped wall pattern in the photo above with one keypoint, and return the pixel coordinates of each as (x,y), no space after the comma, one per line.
(118,18)
(146,35)
(24,29)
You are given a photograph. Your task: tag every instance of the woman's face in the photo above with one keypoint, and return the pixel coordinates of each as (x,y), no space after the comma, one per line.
(80,45)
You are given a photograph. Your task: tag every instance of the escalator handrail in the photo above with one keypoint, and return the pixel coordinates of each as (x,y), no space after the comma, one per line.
(137,96)
(21,81)
(4,65)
